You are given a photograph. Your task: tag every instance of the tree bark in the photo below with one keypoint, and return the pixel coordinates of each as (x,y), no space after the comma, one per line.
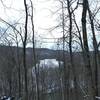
(34,57)
(24,51)
(70,50)
(86,52)
(96,52)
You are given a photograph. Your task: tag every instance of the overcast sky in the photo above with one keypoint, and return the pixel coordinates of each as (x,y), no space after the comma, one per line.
(44,18)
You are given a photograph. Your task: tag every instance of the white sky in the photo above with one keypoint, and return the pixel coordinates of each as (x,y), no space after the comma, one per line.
(43,15)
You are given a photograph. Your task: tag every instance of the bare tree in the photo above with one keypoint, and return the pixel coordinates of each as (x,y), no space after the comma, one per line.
(70,12)
(86,51)
(34,55)
(95,45)
(24,50)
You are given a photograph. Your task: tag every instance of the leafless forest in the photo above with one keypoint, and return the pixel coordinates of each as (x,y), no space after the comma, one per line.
(67,71)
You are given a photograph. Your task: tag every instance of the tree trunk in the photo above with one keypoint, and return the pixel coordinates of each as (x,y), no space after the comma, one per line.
(96,54)
(19,74)
(34,57)
(70,50)
(86,52)
(24,51)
